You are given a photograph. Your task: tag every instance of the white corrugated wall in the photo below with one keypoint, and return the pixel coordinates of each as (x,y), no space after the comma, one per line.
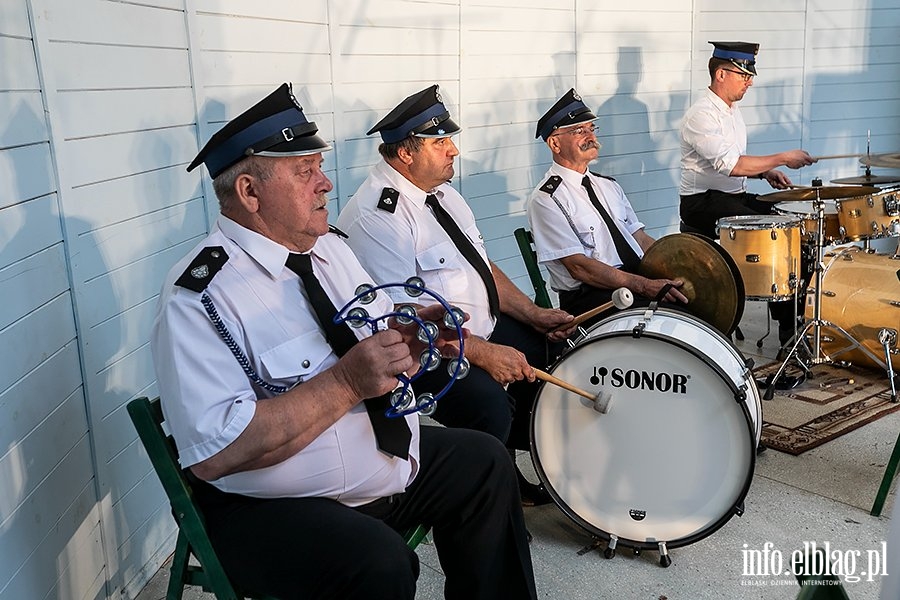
(103,103)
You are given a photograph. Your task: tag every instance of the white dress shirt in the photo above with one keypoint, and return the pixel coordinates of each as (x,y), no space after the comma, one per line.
(554,236)
(207,398)
(713,138)
(394,246)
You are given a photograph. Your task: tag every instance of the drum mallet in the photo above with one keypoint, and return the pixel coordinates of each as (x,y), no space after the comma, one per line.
(599,402)
(621,298)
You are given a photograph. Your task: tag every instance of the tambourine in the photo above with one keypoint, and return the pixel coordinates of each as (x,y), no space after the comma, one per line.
(402,399)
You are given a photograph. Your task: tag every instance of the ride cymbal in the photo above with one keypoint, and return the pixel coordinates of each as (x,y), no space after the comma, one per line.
(824,192)
(867,180)
(887,160)
(712,282)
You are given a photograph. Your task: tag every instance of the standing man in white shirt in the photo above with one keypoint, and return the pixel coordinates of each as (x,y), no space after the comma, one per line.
(278,412)
(585,230)
(714,162)
(407,220)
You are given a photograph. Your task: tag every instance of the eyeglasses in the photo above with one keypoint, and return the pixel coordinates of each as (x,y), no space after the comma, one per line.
(579,131)
(745,76)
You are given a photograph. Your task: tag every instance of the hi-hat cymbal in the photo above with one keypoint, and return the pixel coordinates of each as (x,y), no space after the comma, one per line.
(867,180)
(712,281)
(888,160)
(824,192)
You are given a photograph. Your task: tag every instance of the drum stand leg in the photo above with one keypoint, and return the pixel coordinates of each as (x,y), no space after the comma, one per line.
(887,338)
(664,559)
(611,547)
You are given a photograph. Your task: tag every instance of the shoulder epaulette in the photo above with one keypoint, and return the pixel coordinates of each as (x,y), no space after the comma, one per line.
(203,268)
(551,184)
(603,176)
(388,200)
(337,232)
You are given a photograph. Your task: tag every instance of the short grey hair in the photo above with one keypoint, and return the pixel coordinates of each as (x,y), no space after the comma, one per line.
(255,166)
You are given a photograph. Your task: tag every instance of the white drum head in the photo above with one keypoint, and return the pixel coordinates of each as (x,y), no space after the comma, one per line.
(673,458)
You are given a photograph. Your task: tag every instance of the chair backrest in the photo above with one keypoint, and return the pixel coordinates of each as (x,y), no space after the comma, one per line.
(192,537)
(526,248)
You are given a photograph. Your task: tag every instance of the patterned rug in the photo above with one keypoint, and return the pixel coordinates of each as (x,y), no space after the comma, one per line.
(837,400)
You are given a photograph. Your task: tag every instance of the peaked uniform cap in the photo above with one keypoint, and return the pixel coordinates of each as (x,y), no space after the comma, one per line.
(421,115)
(568,110)
(741,54)
(274,126)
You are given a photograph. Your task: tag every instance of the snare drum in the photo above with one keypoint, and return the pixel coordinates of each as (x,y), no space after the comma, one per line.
(672,459)
(868,217)
(766,249)
(809,224)
(860,294)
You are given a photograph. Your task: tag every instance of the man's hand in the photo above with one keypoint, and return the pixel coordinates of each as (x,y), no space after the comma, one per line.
(794,159)
(504,363)
(652,287)
(777,179)
(371,366)
(547,320)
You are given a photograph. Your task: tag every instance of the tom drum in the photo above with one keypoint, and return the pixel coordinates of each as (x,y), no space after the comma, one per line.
(809,223)
(766,249)
(870,216)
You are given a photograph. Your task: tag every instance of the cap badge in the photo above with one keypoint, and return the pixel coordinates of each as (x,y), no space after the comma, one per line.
(576,96)
(437,96)
(200,272)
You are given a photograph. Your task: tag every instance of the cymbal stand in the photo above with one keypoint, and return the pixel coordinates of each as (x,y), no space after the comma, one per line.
(815,355)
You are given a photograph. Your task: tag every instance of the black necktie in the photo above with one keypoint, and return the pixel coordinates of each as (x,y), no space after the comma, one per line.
(392,434)
(466,248)
(630,259)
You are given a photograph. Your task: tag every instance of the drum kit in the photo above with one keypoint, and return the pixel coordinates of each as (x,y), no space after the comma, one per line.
(648,437)
(830,222)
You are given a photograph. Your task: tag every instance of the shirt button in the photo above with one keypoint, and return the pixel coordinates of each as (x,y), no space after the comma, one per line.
(441,261)
(305,364)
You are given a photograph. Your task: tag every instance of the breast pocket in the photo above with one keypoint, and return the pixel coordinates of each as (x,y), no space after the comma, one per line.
(297,360)
(442,269)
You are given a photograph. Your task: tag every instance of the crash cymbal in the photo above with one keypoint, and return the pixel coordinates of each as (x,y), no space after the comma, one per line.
(824,192)
(888,160)
(867,180)
(712,282)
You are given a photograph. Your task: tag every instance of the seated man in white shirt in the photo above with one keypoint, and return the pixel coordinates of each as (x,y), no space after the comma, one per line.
(585,230)
(407,220)
(278,413)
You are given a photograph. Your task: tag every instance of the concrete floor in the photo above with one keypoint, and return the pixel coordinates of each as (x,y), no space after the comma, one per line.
(823,495)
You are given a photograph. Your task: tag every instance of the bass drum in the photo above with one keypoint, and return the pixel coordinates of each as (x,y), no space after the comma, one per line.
(861,294)
(671,460)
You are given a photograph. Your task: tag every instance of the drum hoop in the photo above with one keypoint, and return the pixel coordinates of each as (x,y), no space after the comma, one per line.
(738,507)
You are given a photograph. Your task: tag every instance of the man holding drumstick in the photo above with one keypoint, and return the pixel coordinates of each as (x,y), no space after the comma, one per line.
(714,163)
(585,230)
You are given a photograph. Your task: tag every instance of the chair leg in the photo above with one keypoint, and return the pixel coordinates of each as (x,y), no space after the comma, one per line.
(178,572)
(886,481)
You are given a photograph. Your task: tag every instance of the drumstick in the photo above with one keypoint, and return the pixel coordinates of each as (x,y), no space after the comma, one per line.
(621,298)
(830,156)
(544,376)
(599,402)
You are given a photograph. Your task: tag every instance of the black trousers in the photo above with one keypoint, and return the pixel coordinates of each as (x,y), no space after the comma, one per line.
(315,548)
(479,402)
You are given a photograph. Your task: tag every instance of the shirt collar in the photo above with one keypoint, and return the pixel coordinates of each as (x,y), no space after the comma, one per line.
(570,177)
(270,255)
(718,102)
(407,188)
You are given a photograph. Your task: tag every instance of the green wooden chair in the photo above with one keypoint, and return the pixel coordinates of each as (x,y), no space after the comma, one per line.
(192,537)
(887,480)
(526,248)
